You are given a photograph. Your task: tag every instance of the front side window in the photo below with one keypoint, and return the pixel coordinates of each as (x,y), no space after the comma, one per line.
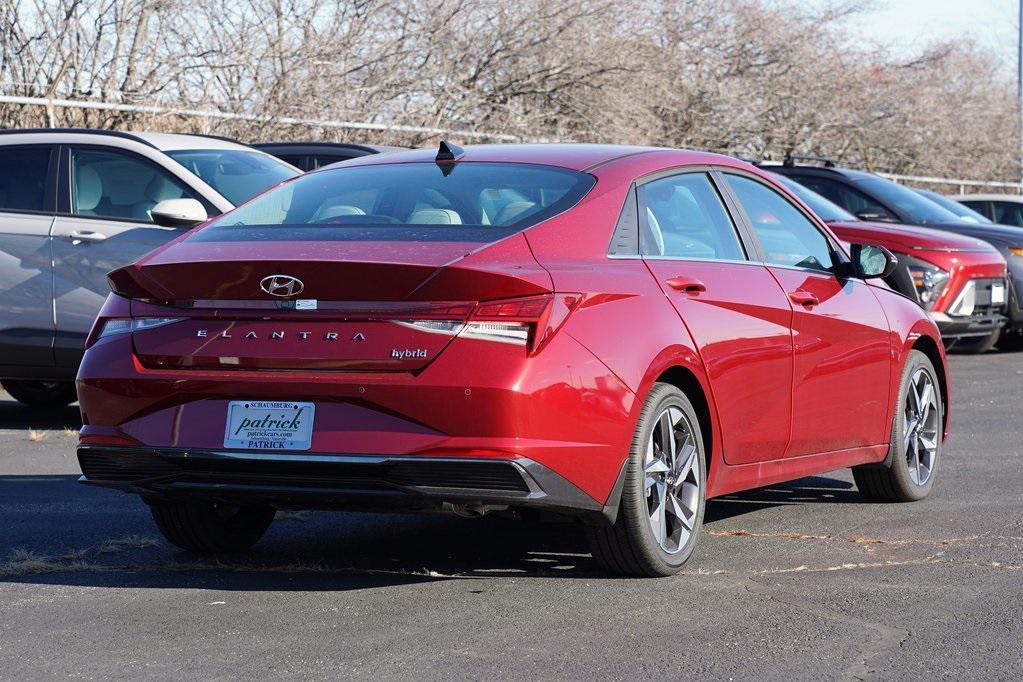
(236,174)
(23,174)
(112,184)
(478,202)
(787,236)
(682,216)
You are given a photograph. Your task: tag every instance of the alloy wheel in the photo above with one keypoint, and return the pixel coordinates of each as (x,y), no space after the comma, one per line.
(920,437)
(671,469)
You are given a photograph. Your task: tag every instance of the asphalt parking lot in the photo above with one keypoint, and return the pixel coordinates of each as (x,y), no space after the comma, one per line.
(799,580)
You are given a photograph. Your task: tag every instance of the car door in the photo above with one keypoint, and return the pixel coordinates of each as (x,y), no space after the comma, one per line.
(840,335)
(27,195)
(733,308)
(104,222)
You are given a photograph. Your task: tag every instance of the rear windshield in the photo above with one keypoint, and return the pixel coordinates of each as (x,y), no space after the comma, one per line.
(476,202)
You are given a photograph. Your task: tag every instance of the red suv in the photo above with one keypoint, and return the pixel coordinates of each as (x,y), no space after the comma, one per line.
(959,280)
(616,333)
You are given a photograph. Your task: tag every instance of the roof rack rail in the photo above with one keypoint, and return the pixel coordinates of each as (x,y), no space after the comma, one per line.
(86,131)
(791,159)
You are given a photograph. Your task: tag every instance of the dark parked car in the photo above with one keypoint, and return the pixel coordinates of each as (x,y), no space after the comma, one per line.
(312,155)
(873,198)
(959,280)
(962,210)
(1005,209)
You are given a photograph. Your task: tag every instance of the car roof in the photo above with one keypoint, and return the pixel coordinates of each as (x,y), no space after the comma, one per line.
(578,157)
(176,141)
(162,141)
(1014,198)
(820,170)
(325,147)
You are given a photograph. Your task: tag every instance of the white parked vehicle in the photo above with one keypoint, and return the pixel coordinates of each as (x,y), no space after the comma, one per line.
(76,204)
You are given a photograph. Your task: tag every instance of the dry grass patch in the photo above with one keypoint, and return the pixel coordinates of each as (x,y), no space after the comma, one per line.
(36,435)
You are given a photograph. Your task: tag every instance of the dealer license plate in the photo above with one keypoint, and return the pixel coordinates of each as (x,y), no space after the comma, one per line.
(266,425)
(997,293)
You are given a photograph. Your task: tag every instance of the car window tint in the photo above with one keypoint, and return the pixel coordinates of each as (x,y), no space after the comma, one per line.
(321,161)
(847,197)
(109,184)
(787,236)
(1007,213)
(683,216)
(23,173)
(981,207)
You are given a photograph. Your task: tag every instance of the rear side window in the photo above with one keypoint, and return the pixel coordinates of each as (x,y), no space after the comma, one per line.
(23,174)
(1008,213)
(682,216)
(477,202)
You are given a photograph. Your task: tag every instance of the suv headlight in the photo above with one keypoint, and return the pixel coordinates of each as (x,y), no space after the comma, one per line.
(930,281)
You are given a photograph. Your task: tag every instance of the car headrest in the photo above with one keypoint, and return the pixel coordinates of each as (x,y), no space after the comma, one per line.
(510,211)
(653,234)
(435,216)
(160,188)
(88,188)
(327,212)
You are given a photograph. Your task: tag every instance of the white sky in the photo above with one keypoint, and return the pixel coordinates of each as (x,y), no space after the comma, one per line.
(909,24)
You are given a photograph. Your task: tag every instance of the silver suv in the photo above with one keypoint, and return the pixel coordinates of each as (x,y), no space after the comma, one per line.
(76,204)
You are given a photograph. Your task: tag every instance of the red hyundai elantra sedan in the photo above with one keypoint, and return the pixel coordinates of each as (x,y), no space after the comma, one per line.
(616,333)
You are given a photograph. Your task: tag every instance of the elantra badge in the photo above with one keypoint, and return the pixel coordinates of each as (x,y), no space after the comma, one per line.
(281,285)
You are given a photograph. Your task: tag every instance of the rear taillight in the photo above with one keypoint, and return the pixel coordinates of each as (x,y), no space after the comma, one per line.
(530,322)
(111,326)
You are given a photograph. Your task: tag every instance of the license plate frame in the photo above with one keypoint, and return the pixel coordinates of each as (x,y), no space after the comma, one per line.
(269,425)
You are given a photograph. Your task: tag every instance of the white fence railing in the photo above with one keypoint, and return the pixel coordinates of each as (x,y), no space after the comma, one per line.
(212,115)
(1015,187)
(230,116)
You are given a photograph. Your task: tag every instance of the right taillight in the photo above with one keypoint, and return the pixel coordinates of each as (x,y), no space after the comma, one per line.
(530,321)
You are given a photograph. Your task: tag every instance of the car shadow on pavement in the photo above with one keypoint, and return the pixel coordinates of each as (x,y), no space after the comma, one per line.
(809,490)
(61,532)
(14,415)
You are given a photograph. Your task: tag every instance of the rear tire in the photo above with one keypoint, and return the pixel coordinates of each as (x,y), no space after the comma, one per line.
(1011,341)
(663,497)
(208,527)
(41,393)
(909,472)
(976,346)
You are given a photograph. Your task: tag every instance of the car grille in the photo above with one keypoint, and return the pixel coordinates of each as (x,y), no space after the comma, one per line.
(126,466)
(981,295)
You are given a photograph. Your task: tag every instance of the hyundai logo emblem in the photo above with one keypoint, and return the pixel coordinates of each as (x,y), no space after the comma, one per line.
(281,285)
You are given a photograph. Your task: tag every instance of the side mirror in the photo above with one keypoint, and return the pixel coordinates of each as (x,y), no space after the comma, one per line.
(870,262)
(178,213)
(874,213)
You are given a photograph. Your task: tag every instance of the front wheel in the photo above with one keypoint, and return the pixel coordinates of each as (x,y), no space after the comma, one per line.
(41,393)
(210,527)
(909,472)
(664,491)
